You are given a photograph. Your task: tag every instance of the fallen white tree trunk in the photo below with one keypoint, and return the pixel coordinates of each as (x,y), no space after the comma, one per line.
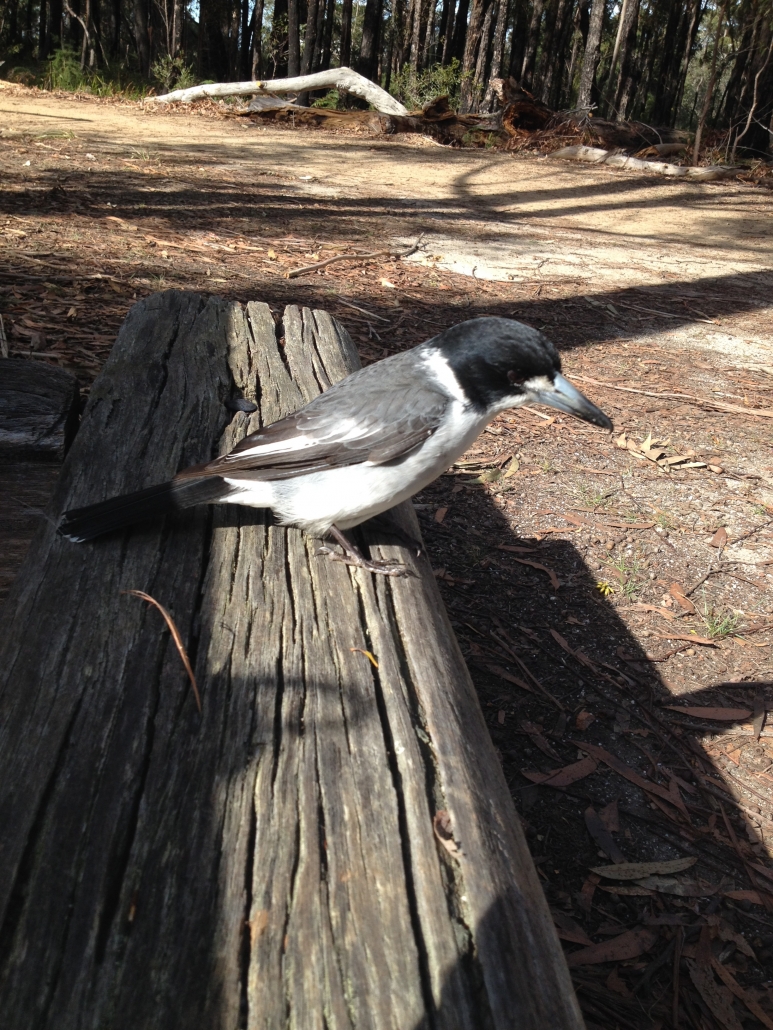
(595,155)
(343,79)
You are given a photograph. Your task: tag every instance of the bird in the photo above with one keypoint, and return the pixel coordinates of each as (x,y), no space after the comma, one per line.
(370,441)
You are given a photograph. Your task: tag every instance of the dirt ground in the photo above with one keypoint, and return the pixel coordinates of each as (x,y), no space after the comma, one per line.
(593,581)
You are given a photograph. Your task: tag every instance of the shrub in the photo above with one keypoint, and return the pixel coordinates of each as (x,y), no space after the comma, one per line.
(64,71)
(417,90)
(173,73)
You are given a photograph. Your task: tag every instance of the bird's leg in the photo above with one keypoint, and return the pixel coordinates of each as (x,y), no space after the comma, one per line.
(352,556)
(388,524)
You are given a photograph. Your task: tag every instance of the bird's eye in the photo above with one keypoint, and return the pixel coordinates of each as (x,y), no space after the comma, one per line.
(516,377)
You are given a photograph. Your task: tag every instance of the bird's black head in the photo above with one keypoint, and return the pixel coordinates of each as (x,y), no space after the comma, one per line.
(500,363)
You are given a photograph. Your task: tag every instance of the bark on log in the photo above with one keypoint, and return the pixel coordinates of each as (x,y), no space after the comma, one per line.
(272,862)
(38,410)
(343,79)
(25,491)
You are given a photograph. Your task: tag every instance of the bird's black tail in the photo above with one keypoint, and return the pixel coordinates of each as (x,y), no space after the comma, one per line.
(80,524)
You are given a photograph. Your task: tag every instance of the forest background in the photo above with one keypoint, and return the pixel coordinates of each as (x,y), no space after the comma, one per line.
(665,62)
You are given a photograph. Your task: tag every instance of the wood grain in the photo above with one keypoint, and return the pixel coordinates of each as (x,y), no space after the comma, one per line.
(39,407)
(271,863)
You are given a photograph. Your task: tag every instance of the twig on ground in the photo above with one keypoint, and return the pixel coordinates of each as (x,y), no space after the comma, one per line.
(352,257)
(718,405)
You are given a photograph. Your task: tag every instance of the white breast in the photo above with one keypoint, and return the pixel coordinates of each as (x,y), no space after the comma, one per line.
(350,495)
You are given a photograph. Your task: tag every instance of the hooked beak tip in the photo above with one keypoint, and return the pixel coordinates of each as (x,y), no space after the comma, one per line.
(568,398)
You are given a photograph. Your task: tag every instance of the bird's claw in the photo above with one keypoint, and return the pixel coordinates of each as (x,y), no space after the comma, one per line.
(379,568)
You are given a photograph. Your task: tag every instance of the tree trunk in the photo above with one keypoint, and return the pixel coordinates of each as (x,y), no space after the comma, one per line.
(756,137)
(416,16)
(556,55)
(677,41)
(547,47)
(428,58)
(650,52)
(245,38)
(592,53)
(518,39)
(739,79)
(572,65)
(468,99)
(342,79)
(446,31)
(327,36)
(460,30)
(696,13)
(346,33)
(500,37)
(532,41)
(275,62)
(54,31)
(43,30)
(309,42)
(624,50)
(293,39)
(257,40)
(710,86)
(178,15)
(481,65)
(385,68)
(367,64)
(141,36)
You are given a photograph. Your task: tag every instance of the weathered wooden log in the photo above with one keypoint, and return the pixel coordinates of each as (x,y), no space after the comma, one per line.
(331,844)
(25,491)
(343,79)
(38,410)
(594,155)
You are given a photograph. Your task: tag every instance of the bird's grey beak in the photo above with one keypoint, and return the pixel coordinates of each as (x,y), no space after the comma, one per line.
(566,398)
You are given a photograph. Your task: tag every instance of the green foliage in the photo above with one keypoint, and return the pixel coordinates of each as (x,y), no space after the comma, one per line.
(719,622)
(438,81)
(65,73)
(330,101)
(173,73)
(628,568)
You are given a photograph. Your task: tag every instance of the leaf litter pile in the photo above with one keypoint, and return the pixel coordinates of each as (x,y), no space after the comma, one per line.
(613,595)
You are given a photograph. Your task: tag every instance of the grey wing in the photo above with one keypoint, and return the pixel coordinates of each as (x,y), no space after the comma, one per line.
(368,417)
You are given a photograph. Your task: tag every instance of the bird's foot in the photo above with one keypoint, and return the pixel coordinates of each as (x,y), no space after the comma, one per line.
(352,557)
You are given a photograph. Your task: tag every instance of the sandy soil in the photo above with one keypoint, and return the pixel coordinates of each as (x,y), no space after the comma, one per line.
(480,213)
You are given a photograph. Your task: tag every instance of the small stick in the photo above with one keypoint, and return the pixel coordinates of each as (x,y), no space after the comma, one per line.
(718,405)
(3,340)
(665,314)
(365,311)
(175,636)
(352,257)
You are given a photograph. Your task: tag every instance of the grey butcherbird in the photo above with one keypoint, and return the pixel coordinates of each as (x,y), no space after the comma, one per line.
(372,440)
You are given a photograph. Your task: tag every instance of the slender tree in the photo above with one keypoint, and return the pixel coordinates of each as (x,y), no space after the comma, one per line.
(469,90)
(367,64)
(293,39)
(141,36)
(532,41)
(346,33)
(256,63)
(710,86)
(592,54)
